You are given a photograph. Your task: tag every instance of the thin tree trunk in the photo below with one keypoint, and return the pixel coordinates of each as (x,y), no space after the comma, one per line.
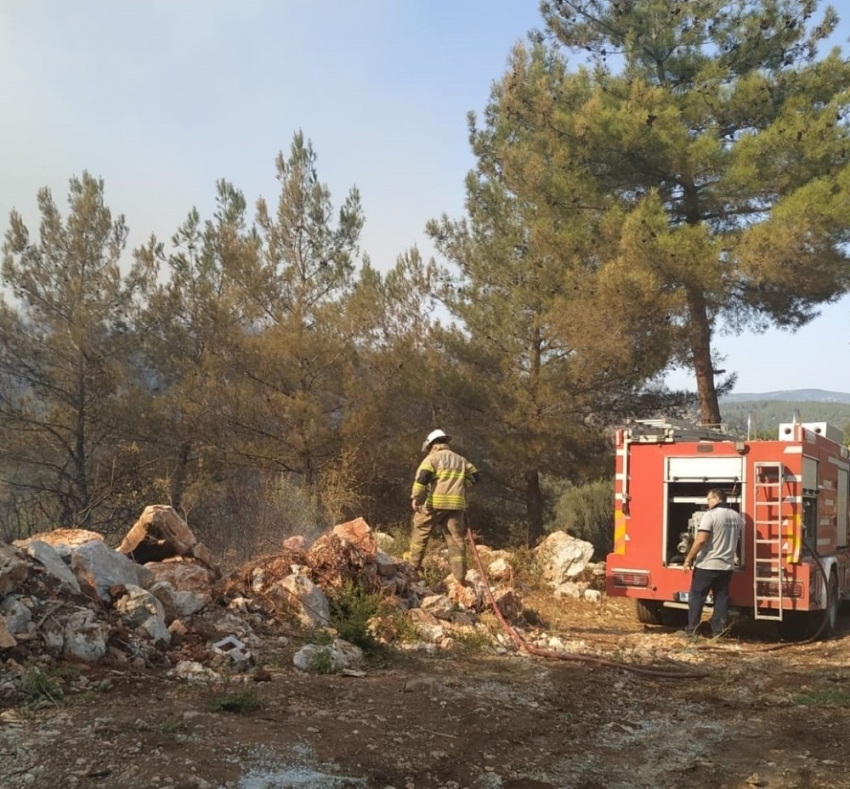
(534,506)
(81,486)
(700,342)
(178,479)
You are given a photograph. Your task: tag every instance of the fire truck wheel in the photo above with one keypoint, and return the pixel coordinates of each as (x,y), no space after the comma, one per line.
(648,612)
(799,625)
(803,625)
(674,617)
(831,605)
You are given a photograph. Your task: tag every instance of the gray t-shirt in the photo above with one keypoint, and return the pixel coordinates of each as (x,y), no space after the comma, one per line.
(724,528)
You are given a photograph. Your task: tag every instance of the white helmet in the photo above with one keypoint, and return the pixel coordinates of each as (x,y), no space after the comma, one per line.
(433,436)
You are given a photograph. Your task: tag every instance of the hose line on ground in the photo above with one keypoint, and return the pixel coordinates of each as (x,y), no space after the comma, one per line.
(829,602)
(576,657)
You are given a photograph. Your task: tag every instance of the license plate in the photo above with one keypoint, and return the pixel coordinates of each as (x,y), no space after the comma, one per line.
(682,597)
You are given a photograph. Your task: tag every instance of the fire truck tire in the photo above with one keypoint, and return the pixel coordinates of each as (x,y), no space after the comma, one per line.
(799,625)
(831,605)
(802,625)
(674,617)
(648,612)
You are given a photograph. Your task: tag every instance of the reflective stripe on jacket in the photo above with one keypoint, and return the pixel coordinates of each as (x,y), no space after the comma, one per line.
(443,478)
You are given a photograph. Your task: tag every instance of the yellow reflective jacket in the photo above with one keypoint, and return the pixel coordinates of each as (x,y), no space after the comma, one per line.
(442,479)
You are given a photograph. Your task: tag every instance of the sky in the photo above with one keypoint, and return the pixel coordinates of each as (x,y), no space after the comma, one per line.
(161,98)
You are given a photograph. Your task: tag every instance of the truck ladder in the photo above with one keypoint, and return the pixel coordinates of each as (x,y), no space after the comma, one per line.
(768,518)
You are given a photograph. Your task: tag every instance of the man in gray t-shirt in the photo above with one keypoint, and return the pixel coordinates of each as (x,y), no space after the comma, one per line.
(712,556)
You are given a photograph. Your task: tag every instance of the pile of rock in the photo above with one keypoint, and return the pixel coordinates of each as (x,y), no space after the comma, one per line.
(159,599)
(67,594)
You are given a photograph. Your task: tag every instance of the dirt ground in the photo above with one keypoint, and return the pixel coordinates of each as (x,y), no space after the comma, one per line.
(760,717)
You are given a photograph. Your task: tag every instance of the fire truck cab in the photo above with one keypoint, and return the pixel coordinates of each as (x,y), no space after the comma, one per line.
(793,560)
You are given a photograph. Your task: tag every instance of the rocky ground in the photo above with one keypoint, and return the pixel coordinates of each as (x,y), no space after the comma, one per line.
(450,718)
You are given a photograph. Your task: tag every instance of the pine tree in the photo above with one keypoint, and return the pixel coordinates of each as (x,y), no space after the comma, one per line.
(716,133)
(66,344)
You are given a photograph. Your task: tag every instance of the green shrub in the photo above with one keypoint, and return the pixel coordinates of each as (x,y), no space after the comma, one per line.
(69,672)
(526,568)
(171,724)
(38,686)
(587,512)
(400,532)
(405,630)
(823,697)
(241,702)
(471,641)
(319,635)
(321,661)
(351,608)
(433,570)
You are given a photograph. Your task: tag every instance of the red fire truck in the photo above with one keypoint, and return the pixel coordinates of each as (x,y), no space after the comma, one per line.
(793,560)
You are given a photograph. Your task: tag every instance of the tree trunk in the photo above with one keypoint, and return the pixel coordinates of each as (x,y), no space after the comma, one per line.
(534,506)
(80,482)
(178,479)
(700,342)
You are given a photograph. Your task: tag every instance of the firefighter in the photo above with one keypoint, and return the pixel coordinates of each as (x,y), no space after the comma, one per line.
(438,500)
(712,557)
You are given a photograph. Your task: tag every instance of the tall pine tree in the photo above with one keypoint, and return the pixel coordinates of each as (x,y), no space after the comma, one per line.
(718,133)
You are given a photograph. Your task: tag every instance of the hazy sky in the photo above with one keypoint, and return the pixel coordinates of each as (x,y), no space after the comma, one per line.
(163,97)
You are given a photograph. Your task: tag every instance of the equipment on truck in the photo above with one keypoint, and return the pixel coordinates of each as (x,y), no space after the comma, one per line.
(793,560)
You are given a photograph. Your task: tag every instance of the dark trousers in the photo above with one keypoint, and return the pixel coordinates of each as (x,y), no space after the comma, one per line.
(703,581)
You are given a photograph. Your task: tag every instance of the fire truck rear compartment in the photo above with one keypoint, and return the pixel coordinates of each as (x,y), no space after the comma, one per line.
(685,508)
(687,481)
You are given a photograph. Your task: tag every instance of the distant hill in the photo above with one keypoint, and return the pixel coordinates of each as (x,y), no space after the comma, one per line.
(790,396)
(770,409)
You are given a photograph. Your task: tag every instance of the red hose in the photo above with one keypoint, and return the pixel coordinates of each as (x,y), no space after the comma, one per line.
(577,657)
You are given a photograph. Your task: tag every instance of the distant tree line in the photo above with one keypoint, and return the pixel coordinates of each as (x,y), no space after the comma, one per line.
(260,375)
(765,416)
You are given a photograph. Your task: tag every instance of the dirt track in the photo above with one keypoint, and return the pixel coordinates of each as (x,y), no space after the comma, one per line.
(760,718)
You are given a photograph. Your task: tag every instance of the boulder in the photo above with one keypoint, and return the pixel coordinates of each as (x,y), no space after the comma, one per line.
(508,603)
(63,541)
(387,568)
(337,561)
(85,637)
(7,640)
(359,534)
(499,570)
(167,596)
(439,605)
(299,594)
(48,557)
(98,568)
(184,576)
(14,570)
(331,658)
(296,543)
(17,615)
(426,625)
(158,534)
(141,609)
(563,557)
(191,585)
